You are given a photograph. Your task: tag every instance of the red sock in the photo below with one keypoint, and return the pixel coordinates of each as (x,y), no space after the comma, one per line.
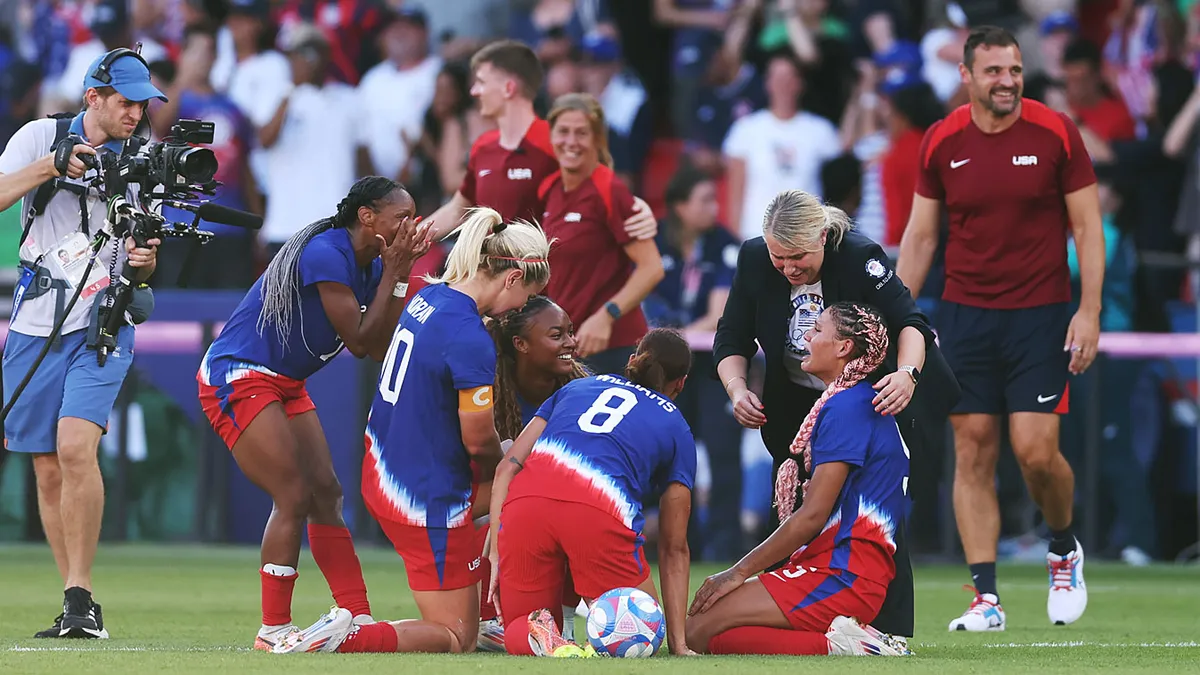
(277,599)
(762,640)
(487,610)
(516,636)
(333,550)
(371,638)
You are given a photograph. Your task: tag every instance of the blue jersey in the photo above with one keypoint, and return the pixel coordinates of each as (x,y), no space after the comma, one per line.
(312,340)
(859,536)
(608,443)
(416,470)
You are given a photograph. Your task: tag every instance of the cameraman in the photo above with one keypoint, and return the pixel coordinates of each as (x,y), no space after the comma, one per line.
(60,417)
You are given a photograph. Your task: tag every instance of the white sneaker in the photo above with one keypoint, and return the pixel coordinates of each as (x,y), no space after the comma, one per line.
(984,614)
(326,635)
(491,637)
(1068,593)
(269,636)
(848,638)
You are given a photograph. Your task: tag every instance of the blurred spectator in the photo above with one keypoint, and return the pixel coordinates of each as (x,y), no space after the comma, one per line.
(942,51)
(228,260)
(564,77)
(775,149)
(395,94)
(111,27)
(251,73)
(554,27)
(731,88)
(842,179)
(912,107)
(20,85)
(312,140)
(699,257)
(48,32)
(451,126)
(696,27)
(1089,98)
(821,44)
(351,26)
(863,132)
(625,103)
(1056,31)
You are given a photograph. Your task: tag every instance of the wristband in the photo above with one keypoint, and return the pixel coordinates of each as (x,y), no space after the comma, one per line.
(400,290)
(730,380)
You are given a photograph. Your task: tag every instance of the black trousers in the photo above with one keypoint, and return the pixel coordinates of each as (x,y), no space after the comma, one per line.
(899,607)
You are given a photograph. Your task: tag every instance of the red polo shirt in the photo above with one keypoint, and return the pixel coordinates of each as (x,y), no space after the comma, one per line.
(508,180)
(588,264)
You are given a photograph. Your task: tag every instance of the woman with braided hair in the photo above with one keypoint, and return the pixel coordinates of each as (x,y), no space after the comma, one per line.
(339,283)
(843,536)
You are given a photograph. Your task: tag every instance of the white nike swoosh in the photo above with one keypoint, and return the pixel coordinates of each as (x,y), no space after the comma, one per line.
(955,165)
(1046,399)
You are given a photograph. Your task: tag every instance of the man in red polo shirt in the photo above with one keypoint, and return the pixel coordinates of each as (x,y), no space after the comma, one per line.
(508,164)
(1014,175)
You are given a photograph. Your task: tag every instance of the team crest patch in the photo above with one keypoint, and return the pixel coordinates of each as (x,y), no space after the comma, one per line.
(876,268)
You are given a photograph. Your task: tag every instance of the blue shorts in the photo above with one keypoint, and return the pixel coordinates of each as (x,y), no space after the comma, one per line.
(69,383)
(1007,360)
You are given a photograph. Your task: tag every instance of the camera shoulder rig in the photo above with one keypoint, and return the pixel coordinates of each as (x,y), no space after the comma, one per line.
(45,191)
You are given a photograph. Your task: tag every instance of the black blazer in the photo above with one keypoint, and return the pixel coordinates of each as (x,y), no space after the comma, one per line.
(758,312)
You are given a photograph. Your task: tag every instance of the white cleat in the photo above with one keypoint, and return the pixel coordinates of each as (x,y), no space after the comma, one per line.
(1068,593)
(491,637)
(848,638)
(985,614)
(326,635)
(269,636)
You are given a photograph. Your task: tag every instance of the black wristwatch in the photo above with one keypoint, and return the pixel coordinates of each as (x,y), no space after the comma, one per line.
(912,372)
(613,310)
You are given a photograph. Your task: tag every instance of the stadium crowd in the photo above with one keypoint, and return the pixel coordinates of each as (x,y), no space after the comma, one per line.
(713,107)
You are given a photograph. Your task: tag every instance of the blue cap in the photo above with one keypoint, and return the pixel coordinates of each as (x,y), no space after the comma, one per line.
(897,79)
(902,54)
(129,76)
(1056,21)
(601,48)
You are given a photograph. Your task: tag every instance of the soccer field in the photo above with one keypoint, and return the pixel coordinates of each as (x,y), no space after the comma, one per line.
(188,609)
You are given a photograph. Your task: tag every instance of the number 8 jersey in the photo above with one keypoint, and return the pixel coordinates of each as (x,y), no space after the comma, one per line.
(416,470)
(608,443)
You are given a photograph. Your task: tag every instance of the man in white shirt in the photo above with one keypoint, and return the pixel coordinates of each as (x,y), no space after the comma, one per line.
(311,140)
(778,148)
(395,94)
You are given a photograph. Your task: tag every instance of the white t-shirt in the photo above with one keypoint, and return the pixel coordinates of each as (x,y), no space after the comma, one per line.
(49,232)
(312,164)
(808,301)
(395,101)
(942,75)
(779,155)
(256,86)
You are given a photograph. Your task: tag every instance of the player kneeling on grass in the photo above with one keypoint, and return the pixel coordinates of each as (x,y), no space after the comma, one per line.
(571,492)
(821,601)
(338,283)
(432,442)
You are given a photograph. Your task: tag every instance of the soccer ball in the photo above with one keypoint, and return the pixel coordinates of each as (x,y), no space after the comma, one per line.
(626,622)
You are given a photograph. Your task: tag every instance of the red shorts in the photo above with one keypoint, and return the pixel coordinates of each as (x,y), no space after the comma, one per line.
(812,597)
(437,558)
(231,407)
(540,538)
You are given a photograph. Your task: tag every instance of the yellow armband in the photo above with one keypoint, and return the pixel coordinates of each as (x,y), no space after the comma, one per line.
(478,399)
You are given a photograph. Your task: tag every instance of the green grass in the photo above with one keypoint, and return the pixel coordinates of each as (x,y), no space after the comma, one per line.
(195,610)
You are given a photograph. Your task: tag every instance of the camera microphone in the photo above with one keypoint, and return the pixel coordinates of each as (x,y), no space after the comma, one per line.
(215,213)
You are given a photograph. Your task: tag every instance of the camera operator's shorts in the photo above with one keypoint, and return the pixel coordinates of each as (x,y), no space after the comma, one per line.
(232,394)
(68,383)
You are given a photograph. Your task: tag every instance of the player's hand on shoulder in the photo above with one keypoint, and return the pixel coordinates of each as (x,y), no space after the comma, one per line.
(895,393)
(642,224)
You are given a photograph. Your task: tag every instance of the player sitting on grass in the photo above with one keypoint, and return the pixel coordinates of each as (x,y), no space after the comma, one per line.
(431,440)
(843,535)
(570,492)
(536,357)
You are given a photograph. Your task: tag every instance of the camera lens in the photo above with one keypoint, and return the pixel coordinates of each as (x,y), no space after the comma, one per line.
(197,165)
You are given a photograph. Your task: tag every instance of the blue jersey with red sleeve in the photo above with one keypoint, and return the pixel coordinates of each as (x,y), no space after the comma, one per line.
(608,443)
(859,536)
(312,340)
(416,470)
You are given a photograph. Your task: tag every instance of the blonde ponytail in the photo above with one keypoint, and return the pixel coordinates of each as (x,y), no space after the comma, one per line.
(797,219)
(486,243)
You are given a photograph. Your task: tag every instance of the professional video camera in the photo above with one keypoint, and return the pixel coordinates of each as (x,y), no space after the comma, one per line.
(172,172)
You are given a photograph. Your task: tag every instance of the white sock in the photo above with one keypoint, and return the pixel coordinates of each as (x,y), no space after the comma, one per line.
(279,570)
(568,631)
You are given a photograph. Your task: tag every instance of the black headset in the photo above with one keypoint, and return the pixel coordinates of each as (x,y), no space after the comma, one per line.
(101,72)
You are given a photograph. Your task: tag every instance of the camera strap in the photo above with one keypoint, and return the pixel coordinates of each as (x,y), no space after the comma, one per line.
(45,191)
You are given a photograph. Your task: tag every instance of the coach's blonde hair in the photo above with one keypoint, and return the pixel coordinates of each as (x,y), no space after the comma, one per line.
(797,219)
(590,107)
(488,244)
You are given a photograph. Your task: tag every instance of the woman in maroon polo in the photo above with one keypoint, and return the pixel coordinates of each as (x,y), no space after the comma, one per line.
(599,275)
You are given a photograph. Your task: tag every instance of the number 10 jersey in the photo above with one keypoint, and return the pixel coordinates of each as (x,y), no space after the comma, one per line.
(416,470)
(608,443)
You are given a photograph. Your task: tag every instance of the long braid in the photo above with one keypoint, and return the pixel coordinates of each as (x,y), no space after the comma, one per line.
(503,330)
(866,328)
(281,281)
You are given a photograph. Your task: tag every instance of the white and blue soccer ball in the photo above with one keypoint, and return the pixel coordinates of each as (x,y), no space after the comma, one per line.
(627,623)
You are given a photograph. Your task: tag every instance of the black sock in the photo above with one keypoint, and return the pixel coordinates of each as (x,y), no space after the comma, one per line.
(78,600)
(984,576)
(1062,542)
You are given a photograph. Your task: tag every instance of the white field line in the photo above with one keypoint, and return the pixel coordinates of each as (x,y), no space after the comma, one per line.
(1079,643)
(100,648)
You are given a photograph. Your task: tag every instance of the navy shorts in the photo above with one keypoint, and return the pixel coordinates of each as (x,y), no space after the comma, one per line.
(69,383)
(1007,360)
